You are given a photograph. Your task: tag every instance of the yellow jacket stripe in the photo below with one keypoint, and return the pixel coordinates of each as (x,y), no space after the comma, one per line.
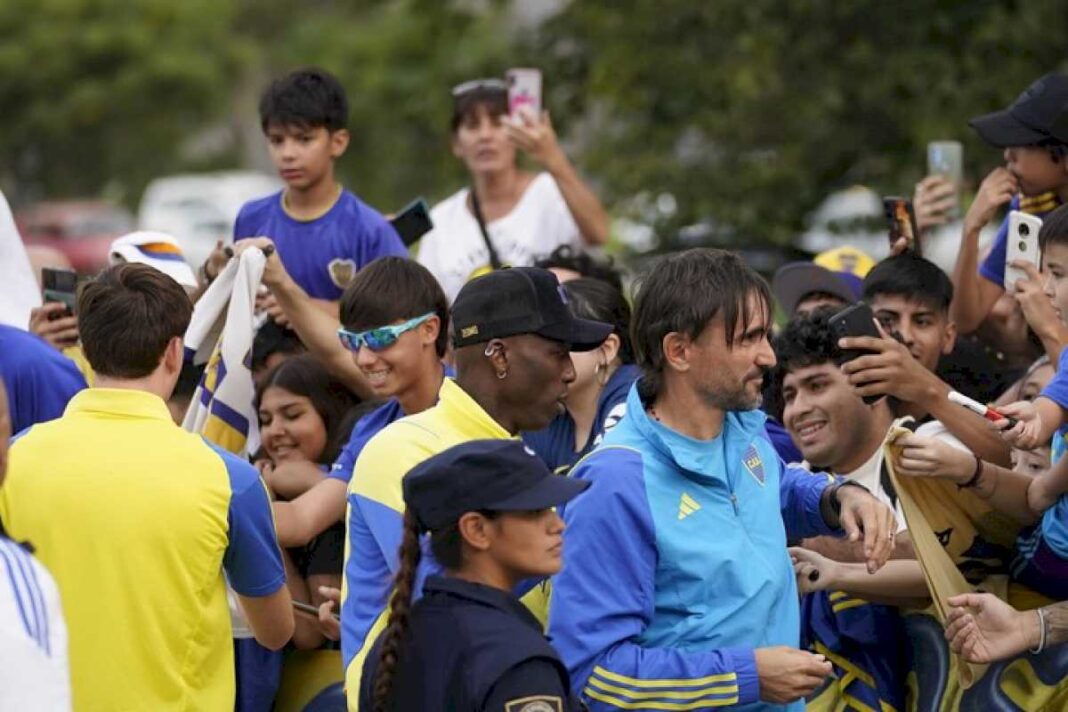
(635,682)
(646,705)
(668,694)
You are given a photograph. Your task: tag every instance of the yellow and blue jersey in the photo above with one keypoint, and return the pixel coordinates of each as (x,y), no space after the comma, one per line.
(376,510)
(322,255)
(138,520)
(675,565)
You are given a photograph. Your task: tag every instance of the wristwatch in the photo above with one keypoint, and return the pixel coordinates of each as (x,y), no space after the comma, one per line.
(836,506)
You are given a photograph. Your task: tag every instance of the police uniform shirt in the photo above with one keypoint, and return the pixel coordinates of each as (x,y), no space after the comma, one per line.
(472,647)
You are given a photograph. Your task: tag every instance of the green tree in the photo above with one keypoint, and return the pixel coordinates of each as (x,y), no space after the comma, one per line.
(749,112)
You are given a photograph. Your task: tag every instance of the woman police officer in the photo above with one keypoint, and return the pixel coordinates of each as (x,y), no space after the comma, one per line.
(468,643)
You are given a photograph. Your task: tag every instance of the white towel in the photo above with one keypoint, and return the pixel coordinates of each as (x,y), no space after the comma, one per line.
(222,408)
(19,292)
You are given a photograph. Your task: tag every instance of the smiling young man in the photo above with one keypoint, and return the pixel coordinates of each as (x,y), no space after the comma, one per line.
(323,234)
(513,334)
(910,297)
(676,582)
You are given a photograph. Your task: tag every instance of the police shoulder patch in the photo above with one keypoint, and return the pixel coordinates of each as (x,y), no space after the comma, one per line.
(537,703)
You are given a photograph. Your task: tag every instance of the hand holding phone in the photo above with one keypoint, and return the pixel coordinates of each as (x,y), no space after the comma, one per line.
(310,610)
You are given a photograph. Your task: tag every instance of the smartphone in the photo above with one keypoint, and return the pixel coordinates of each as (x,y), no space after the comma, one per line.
(901,220)
(945,158)
(311,610)
(524,91)
(1022,245)
(855,320)
(60,285)
(412,222)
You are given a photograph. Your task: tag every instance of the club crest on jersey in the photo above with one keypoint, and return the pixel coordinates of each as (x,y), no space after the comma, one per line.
(341,272)
(754,464)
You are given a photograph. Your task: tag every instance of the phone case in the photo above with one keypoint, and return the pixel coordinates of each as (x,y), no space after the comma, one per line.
(524,91)
(901,221)
(1021,244)
(855,320)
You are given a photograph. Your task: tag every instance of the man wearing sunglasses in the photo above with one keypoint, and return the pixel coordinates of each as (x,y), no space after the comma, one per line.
(513,335)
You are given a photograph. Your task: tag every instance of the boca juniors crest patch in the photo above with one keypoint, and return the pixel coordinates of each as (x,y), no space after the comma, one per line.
(754,464)
(341,271)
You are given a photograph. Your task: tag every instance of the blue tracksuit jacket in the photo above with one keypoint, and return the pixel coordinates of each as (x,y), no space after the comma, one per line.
(675,565)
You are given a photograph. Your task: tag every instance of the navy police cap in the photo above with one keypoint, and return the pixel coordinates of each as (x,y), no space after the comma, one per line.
(493,475)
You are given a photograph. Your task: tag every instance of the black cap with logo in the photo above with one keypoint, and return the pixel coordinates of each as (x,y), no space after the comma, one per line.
(493,475)
(1039,115)
(521,300)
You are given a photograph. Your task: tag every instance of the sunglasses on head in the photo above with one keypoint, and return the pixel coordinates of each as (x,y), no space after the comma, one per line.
(478,85)
(379,338)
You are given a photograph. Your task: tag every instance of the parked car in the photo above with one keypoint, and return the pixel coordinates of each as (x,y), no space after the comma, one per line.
(81,229)
(198,209)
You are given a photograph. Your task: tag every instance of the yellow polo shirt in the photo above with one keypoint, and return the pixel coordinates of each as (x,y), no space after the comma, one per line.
(137,519)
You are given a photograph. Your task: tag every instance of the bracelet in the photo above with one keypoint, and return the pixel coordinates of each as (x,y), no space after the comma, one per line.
(1041,632)
(974,478)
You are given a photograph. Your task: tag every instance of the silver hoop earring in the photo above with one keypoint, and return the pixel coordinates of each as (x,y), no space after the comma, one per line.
(501,375)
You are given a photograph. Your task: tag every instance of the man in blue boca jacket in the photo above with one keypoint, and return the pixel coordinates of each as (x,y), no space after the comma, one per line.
(677,591)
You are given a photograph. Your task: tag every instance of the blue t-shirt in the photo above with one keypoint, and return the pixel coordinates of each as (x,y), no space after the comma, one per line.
(321,255)
(555,444)
(39,380)
(366,428)
(993,267)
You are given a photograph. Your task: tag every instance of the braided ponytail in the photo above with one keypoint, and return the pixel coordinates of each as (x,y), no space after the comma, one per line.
(400,608)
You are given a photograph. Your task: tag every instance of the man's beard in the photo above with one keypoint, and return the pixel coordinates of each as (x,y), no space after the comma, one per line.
(732,395)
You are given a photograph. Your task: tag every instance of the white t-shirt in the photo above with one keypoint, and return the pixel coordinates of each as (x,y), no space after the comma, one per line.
(870,473)
(454,251)
(34,673)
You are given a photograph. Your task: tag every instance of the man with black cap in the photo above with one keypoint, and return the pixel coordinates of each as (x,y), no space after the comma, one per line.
(513,334)
(1033,133)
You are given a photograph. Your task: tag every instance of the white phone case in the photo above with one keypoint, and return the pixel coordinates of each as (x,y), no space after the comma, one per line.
(524,91)
(1022,245)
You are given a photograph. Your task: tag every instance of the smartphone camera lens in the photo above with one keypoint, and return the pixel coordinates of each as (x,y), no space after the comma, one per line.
(1025,230)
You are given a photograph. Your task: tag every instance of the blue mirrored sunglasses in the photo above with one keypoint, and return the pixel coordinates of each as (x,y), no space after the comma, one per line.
(381,338)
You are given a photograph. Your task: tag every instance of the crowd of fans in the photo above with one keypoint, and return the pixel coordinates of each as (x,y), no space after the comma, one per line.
(483,476)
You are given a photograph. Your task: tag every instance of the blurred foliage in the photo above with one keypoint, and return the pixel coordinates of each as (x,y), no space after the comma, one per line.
(747,112)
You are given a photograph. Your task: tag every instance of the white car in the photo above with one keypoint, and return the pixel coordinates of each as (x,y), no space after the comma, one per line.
(199,209)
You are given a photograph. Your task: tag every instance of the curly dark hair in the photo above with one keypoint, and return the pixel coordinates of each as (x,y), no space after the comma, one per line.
(806,340)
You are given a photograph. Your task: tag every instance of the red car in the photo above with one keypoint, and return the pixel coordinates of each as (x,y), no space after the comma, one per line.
(82,230)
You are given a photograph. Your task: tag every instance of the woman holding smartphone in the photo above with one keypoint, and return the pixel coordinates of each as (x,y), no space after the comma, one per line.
(507,216)
(468,643)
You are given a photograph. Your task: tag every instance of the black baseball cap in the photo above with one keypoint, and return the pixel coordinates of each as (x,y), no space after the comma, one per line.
(795,280)
(521,300)
(1038,115)
(494,475)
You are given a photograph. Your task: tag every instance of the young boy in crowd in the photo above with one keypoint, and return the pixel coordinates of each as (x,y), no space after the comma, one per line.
(1041,418)
(910,297)
(1033,132)
(323,233)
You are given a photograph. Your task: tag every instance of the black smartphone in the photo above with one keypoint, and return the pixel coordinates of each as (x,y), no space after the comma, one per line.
(855,320)
(412,222)
(311,610)
(60,285)
(901,222)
